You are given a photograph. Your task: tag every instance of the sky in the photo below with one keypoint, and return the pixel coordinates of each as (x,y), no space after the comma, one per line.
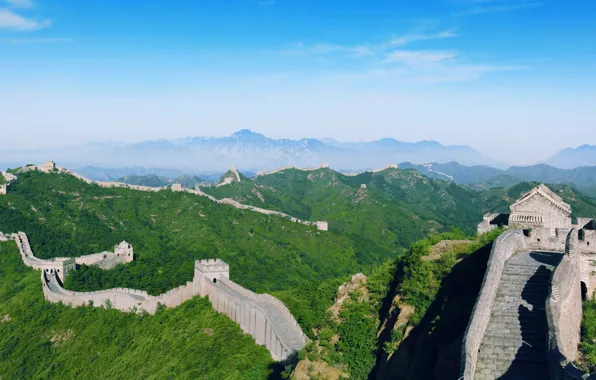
(514,79)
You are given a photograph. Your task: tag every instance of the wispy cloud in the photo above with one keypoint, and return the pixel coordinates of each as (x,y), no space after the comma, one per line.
(476,7)
(19,3)
(413,37)
(417,57)
(322,49)
(392,62)
(19,41)
(12,21)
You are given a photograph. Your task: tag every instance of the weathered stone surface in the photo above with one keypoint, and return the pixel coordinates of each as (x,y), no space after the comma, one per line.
(514,343)
(506,245)
(546,220)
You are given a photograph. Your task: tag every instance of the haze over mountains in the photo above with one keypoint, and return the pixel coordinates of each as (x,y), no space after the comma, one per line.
(251,152)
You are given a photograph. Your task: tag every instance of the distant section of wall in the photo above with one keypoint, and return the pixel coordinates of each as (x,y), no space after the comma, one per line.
(505,246)
(564,313)
(323,166)
(321,225)
(392,166)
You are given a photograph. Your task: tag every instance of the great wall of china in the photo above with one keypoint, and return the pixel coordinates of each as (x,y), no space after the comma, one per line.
(525,323)
(260,315)
(527,317)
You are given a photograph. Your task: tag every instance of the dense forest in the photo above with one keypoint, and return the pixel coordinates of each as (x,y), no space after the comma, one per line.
(40,340)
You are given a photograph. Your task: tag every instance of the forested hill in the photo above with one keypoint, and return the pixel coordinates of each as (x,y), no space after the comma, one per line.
(396,208)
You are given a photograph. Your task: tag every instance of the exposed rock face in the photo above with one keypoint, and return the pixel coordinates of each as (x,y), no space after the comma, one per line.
(358,282)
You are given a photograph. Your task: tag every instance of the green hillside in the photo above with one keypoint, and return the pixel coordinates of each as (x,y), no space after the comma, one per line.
(152,180)
(40,340)
(396,208)
(169,231)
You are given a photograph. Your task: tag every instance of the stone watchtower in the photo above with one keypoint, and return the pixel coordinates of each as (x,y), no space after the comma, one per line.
(177,187)
(541,207)
(49,166)
(124,249)
(2,189)
(209,270)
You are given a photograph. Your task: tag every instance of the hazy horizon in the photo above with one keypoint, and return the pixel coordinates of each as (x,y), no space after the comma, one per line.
(513,79)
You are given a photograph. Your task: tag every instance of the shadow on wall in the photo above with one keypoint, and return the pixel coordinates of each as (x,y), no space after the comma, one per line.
(432,350)
(530,359)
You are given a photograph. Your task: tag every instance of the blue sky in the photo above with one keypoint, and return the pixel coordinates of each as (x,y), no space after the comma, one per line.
(515,79)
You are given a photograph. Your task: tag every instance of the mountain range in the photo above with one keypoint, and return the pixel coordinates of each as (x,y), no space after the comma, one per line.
(250,152)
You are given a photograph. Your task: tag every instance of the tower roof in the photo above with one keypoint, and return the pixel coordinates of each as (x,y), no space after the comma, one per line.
(543,191)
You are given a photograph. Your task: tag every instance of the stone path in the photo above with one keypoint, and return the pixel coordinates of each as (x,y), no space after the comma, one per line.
(514,344)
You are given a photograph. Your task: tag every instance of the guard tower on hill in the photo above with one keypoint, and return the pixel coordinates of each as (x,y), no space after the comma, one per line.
(124,249)
(209,270)
(49,166)
(2,189)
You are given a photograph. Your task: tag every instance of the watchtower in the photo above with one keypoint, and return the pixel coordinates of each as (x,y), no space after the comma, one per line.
(3,189)
(49,166)
(124,249)
(209,270)
(177,187)
(322,226)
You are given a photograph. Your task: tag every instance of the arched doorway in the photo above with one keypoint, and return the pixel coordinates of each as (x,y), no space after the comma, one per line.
(584,291)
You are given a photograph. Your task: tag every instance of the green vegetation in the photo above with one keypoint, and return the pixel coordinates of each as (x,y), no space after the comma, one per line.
(412,281)
(40,340)
(153,180)
(2,179)
(169,231)
(397,207)
(588,332)
(370,232)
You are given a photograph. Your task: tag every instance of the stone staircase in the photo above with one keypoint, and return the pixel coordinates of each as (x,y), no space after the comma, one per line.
(514,344)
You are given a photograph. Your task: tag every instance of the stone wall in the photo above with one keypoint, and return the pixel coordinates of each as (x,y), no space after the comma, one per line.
(587,272)
(505,246)
(486,226)
(60,266)
(262,316)
(564,313)
(323,166)
(391,166)
(548,239)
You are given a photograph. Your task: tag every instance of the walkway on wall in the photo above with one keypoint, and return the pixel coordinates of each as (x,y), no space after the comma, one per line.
(515,342)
